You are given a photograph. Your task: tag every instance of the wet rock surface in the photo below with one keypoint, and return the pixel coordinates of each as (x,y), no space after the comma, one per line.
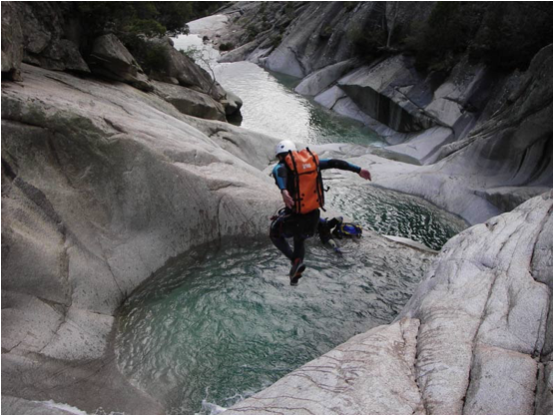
(190,102)
(484,134)
(471,339)
(101,184)
(109,57)
(12,42)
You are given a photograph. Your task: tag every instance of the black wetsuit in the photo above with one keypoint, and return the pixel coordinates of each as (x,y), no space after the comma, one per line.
(298,226)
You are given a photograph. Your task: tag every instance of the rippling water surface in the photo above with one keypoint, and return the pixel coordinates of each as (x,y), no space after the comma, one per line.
(220,326)
(393,213)
(230,325)
(272,107)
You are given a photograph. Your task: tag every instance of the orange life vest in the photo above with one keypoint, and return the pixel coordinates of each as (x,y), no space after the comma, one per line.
(309,194)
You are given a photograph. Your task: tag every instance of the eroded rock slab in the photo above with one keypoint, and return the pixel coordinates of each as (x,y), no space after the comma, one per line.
(478,319)
(370,373)
(101,185)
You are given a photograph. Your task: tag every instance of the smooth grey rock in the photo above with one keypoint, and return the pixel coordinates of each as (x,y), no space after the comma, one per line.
(242,143)
(109,57)
(304,38)
(18,406)
(12,41)
(544,393)
(94,386)
(330,97)
(370,373)
(424,146)
(240,53)
(542,271)
(494,390)
(450,99)
(376,89)
(182,68)
(320,80)
(45,41)
(457,305)
(511,150)
(82,335)
(232,103)
(507,198)
(101,185)
(191,102)
(39,318)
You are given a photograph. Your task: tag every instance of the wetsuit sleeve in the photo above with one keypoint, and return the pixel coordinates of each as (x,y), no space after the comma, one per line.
(280,174)
(338,164)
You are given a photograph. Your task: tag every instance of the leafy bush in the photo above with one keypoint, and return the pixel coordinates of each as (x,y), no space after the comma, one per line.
(445,35)
(350,5)
(368,44)
(326,32)
(504,36)
(155,59)
(192,52)
(146,17)
(252,31)
(511,35)
(275,40)
(226,46)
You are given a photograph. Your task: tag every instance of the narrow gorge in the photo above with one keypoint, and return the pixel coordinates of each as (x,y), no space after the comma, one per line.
(137,272)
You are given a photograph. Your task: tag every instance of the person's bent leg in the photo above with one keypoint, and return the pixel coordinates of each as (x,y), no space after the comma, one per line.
(278,238)
(299,247)
(283,246)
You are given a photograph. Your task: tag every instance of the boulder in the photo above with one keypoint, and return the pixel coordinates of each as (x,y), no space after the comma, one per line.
(505,159)
(13,405)
(12,41)
(45,42)
(322,79)
(181,69)
(191,102)
(110,58)
(232,103)
(367,374)
(379,91)
(481,310)
(101,185)
(469,340)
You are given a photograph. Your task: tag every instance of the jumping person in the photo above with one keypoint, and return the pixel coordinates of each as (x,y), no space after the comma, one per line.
(298,176)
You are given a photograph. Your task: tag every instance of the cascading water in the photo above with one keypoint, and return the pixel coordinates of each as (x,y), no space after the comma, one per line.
(221,324)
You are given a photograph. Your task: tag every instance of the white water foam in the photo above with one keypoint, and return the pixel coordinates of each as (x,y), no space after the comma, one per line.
(63,406)
(73,410)
(211,408)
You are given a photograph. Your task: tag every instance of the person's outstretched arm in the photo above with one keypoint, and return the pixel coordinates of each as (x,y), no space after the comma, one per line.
(280,174)
(344,165)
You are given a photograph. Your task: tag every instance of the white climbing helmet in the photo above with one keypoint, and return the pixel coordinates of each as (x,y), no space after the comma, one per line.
(284,147)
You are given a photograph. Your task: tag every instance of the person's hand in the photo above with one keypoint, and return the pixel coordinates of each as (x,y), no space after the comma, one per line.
(365,174)
(288,201)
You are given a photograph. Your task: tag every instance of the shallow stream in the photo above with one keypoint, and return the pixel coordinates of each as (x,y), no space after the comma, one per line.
(218,325)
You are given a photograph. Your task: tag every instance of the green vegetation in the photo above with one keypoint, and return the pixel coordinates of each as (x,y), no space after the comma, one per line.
(368,44)
(150,56)
(223,47)
(148,17)
(192,52)
(350,5)
(275,40)
(511,35)
(252,31)
(133,21)
(447,33)
(326,32)
(155,59)
(504,36)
